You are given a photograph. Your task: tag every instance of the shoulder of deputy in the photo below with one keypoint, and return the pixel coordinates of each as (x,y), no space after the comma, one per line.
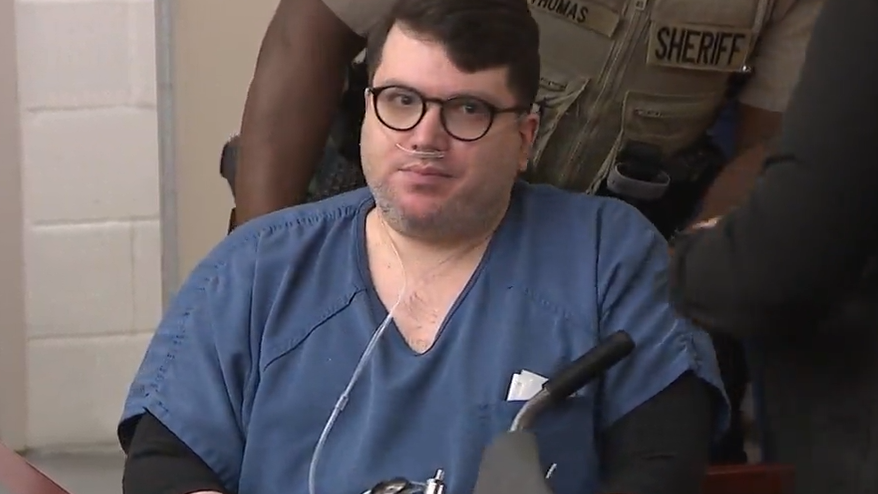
(780,53)
(359,15)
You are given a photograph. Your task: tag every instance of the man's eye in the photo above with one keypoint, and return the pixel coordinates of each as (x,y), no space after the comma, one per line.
(470,107)
(402,99)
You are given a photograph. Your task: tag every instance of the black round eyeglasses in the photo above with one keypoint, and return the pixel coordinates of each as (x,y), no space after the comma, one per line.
(466,118)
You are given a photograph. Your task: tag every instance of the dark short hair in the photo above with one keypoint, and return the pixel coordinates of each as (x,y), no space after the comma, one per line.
(477,34)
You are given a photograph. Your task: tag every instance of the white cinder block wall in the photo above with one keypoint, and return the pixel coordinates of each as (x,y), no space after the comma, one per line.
(91,198)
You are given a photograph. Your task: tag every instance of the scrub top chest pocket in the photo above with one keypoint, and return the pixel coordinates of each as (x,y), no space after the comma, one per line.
(566,437)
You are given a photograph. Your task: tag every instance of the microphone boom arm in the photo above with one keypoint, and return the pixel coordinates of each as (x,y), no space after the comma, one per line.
(574,377)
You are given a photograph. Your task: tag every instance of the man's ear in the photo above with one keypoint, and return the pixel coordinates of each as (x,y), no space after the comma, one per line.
(528,128)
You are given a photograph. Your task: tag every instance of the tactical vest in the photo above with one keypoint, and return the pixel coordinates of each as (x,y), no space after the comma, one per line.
(649,71)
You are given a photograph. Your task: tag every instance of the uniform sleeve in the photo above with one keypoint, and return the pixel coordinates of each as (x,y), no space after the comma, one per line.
(633,296)
(198,371)
(360,15)
(780,53)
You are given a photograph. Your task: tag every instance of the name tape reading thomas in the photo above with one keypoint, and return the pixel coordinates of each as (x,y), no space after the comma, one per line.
(584,14)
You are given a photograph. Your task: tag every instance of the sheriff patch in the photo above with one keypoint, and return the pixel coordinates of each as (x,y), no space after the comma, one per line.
(698,47)
(584,14)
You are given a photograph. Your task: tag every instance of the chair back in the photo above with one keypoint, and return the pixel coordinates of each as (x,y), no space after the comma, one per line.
(749,479)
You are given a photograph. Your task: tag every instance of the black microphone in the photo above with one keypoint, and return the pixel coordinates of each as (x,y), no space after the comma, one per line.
(575,376)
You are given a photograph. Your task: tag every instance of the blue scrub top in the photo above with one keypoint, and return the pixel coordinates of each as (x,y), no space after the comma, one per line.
(262,338)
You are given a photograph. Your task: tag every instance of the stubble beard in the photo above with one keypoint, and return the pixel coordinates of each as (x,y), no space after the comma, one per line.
(453,220)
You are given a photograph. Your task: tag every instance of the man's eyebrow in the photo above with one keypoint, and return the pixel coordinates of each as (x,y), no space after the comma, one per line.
(487,97)
(394,82)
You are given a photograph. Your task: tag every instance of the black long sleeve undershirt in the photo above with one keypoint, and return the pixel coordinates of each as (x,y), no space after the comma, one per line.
(158,462)
(803,240)
(661,447)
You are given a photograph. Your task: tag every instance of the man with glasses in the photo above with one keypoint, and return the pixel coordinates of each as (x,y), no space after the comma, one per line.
(629,91)
(472,284)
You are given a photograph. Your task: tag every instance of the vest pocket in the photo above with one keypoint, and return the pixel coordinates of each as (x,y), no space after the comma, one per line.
(558,91)
(671,122)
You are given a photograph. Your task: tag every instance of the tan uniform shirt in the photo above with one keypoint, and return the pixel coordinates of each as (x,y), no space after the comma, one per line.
(653,71)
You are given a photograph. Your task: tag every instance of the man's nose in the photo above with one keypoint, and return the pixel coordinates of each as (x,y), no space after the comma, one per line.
(429,131)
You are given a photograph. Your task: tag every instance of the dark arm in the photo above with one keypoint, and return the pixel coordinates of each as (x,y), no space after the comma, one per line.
(296,89)
(805,235)
(755,130)
(662,446)
(776,61)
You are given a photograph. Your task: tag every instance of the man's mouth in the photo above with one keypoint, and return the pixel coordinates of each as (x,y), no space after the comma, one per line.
(426,170)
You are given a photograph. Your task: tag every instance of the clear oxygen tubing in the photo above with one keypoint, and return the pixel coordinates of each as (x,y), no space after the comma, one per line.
(355,376)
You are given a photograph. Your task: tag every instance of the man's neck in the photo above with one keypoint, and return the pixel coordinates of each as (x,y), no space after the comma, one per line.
(420,255)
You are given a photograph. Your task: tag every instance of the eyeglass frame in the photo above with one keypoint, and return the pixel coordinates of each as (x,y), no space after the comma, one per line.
(493,110)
